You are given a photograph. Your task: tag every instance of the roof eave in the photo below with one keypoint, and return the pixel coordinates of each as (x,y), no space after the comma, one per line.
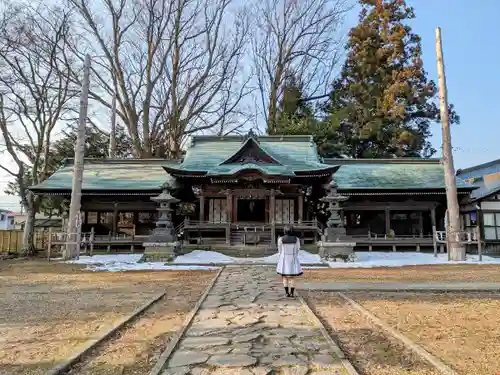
(326,169)
(178,172)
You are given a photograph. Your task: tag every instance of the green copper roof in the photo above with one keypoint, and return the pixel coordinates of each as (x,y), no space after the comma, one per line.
(110,174)
(390,174)
(231,169)
(295,153)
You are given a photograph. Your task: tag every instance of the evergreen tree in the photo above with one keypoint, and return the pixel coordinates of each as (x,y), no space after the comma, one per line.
(293,111)
(296,116)
(383,97)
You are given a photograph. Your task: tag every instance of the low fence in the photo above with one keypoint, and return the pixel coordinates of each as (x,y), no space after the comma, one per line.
(11,241)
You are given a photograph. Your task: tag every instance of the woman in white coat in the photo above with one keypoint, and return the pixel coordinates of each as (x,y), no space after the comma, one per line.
(288,260)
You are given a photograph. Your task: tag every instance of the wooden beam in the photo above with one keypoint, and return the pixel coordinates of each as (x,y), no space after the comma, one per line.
(424,206)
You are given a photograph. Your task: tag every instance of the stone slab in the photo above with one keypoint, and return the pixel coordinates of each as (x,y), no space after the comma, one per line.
(248,326)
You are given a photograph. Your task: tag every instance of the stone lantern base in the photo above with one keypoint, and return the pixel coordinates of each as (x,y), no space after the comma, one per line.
(335,244)
(331,251)
(160,251)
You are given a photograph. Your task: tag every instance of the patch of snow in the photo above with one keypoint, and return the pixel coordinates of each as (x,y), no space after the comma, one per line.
(128,262)
(107,259)
(203,257)
(212,257)
(401,259)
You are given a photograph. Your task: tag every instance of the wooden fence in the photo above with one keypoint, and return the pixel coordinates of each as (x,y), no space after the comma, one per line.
(11,241)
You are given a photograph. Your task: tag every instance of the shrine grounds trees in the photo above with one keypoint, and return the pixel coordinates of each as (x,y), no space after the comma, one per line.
(185,67)
(382,103)
(35,94)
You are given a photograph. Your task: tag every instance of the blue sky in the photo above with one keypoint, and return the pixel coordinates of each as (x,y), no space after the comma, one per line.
(470,42)
(471,53)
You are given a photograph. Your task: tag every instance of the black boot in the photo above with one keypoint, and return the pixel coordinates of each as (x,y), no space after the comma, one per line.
(291,292)
(287,292)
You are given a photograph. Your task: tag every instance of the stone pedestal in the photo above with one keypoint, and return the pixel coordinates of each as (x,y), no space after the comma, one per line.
(162,244)
(335,243)
(331,251)
(160,251)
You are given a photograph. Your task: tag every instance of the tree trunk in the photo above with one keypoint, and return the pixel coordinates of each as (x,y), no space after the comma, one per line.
(28,248)
(456,250)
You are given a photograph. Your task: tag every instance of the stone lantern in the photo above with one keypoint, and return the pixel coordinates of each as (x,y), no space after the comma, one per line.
(162,243)
(334,242)
(334,226)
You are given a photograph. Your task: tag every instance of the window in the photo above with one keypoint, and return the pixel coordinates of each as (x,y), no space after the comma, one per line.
(92,217)
(470,220)
(2,217)
(491,223)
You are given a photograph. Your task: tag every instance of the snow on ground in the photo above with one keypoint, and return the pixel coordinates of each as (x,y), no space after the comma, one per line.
(400,259)
(201,259)
(209,257)
(129,262)
(195,260)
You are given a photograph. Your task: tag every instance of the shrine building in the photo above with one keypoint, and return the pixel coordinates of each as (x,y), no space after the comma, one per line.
(240,191)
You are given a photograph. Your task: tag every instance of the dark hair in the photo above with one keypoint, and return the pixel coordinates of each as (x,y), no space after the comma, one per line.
(288,230)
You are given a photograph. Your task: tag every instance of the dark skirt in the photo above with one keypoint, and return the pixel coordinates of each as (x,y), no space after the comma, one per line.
(290,275)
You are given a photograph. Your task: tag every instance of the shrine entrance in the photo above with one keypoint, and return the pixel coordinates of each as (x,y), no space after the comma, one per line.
(251,210)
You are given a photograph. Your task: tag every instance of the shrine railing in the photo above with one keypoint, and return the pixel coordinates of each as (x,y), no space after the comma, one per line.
(313,224)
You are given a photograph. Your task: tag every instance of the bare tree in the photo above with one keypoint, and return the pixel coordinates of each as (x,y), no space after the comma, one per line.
(35,94)
(174,65)
(295,38)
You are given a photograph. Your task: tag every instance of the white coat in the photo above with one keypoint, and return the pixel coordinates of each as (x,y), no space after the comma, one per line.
(288,256)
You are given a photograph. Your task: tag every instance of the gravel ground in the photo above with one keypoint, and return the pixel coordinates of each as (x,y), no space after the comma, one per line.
(461,329)
(408,274)
(48,310)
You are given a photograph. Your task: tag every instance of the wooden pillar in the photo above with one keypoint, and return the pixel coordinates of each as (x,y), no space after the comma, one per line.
(202,206)
(421,223)
(387,220)
(272,208)
(229,214)
(229,206)
(433,222)
(301,208)
(115,218)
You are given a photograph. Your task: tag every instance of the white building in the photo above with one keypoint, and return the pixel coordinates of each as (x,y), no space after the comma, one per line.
(6,219)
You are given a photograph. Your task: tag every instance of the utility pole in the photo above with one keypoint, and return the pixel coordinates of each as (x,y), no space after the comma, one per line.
(112,133)
(71,250)
(456,250)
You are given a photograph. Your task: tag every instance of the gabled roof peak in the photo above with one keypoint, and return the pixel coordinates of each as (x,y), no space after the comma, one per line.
(251,152)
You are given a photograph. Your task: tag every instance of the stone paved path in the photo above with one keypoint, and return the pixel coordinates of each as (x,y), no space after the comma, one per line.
(247,327)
